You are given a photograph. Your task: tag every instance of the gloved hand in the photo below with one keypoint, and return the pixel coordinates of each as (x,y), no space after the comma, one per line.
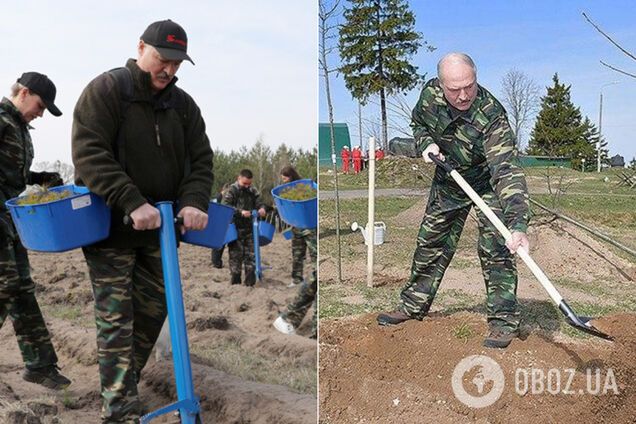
(432,148)
(49,179)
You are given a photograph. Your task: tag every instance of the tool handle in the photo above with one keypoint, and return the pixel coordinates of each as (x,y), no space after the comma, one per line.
(129,222)
(445,165)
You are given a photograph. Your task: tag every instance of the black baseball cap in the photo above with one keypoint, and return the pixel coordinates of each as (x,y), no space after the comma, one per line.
(169,38)
(41,85)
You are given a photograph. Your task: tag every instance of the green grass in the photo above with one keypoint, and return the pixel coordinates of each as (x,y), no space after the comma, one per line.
(333,299)
(390,173)
(463,332)
(233,359)
(69,312)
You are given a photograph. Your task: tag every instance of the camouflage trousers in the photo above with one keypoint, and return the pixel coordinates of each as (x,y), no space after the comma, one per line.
(436,243)
(299,253)
(241,253)
(130,308)
(306,296)
(17,300)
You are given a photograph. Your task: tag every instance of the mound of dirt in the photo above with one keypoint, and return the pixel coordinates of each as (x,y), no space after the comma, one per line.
(405,374)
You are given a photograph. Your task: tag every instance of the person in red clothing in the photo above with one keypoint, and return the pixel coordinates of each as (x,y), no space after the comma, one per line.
(345,155)
(379,154)
(357,159)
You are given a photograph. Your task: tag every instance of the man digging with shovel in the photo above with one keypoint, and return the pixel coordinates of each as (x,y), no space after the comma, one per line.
(458,120)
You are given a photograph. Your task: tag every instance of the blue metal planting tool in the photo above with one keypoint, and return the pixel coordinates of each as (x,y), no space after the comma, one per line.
(187,403)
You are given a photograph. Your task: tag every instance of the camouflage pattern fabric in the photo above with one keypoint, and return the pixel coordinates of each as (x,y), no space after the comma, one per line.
(130,308)
(436,243)
(306,296)
(242,198)
(17,289)
(17,300)
(299,253)
(480,145)
(241,253)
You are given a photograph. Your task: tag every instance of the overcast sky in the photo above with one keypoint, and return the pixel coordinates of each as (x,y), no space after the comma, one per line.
(539,38)
(256,69)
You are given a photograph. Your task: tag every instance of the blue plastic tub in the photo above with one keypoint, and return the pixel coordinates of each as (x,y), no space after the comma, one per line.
(287,233)
(60,225)
(265,232)
(214,235)
(231,233)
(297,213)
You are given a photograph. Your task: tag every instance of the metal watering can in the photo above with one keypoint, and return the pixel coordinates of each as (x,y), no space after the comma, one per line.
(379,228)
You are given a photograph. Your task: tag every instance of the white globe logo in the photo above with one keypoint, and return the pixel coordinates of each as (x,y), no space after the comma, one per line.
(488,370)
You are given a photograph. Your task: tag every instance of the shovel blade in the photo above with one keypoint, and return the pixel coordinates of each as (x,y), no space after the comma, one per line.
(583,324)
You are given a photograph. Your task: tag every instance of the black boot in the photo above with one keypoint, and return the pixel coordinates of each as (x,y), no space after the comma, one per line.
(48,376)
(217,262)
(250,279)
(236,279)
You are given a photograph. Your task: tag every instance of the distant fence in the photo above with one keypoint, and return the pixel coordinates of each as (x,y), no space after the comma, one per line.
(544,161)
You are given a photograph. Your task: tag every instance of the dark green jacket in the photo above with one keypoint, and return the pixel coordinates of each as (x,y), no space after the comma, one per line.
(16,156)
(240,198)
(479,144)
(157,140)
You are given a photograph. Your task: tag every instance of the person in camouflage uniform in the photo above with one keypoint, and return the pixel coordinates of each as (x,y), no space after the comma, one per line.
(303,240)
(133,155)
(460,121)
(289,321)
(299,238)
(217,253)
(244,198)
(30,96)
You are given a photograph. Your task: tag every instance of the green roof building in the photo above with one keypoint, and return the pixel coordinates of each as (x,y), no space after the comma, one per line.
(341,133)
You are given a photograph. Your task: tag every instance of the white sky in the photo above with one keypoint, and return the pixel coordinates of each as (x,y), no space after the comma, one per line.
(256,70)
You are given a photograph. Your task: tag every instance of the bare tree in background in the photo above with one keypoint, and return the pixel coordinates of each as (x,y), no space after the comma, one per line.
(326,47)
(521,99)
(618,46)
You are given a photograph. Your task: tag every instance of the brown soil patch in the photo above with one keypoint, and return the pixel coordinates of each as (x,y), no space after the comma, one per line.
(403,374)
(214,320)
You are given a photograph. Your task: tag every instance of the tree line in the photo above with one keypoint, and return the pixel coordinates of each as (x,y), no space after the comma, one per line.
(264,162)
(377,40)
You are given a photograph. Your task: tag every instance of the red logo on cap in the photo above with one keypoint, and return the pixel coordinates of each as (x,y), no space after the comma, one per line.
(172,39)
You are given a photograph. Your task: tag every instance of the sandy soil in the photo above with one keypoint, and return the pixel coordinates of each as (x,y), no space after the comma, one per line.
(245,315)
(371,374)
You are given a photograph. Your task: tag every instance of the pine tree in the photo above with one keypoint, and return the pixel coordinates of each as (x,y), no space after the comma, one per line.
(559,129)
(376,42)
(589,148)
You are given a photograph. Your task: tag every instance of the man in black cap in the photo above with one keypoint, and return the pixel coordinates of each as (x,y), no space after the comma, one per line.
(30,96)
(138,139)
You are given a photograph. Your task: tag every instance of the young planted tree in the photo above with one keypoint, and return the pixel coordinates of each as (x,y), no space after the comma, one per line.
(521,99)
(377,41)
(325,14)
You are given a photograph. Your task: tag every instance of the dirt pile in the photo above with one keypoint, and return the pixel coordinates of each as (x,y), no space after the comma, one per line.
(404,374)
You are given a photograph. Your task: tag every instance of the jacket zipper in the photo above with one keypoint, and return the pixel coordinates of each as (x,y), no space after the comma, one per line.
(157,134)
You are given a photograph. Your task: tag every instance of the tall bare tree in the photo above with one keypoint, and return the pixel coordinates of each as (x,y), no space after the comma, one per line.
(521,99)
(618,46)
(326,47)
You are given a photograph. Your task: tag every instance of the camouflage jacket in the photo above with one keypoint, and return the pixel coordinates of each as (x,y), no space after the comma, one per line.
(242,199)
(479,144)
(16,153)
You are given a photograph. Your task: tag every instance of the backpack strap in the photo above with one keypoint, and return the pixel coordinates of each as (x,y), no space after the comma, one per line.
(124,81)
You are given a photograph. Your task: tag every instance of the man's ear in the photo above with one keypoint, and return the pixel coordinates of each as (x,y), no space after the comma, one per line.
(140,47)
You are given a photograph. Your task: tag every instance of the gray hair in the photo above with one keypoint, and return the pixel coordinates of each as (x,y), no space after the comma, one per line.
(455,57)
(15,88)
